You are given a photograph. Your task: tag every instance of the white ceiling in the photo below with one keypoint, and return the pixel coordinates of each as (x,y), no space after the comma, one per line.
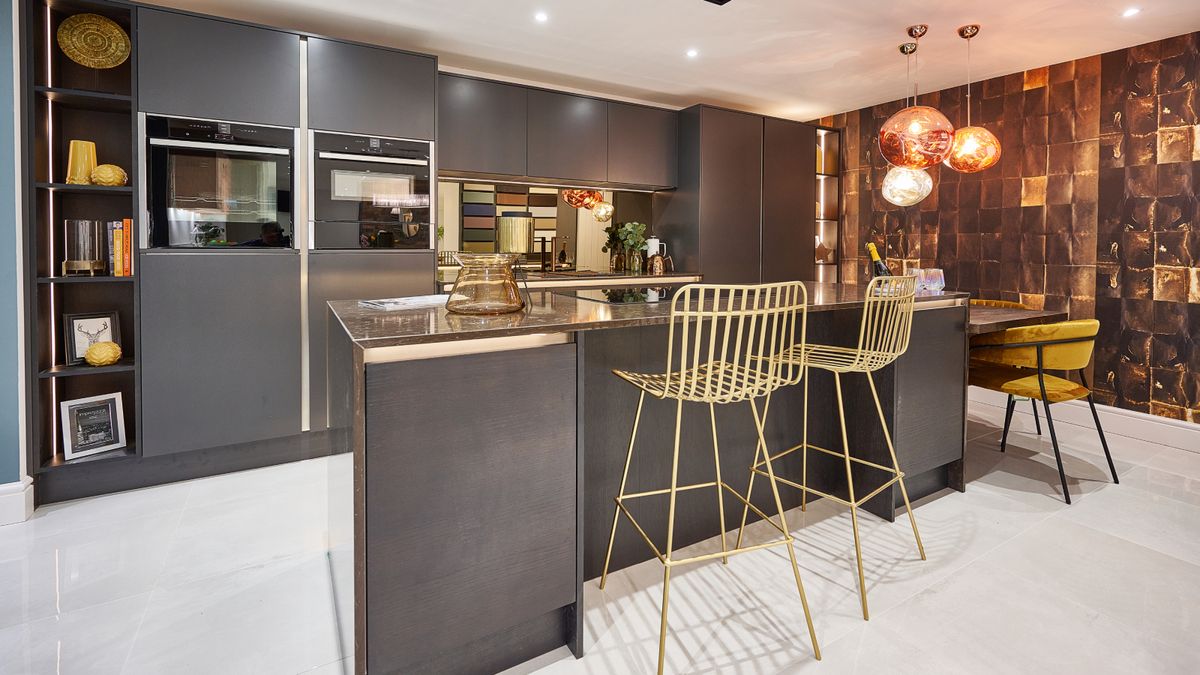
(799,59)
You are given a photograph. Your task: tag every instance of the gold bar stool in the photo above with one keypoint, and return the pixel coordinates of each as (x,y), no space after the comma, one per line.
(882,337)
(730,340)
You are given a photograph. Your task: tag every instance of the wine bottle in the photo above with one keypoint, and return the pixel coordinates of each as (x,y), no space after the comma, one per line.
(878,267)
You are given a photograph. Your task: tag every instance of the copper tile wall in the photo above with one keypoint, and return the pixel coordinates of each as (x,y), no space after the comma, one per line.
(1092,209)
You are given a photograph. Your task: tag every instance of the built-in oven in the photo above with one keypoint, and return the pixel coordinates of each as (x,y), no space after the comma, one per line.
(218,185)
(370,192)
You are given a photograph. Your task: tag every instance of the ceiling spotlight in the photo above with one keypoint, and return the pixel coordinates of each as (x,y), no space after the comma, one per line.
(692,53)
(541,17)
(1132,11)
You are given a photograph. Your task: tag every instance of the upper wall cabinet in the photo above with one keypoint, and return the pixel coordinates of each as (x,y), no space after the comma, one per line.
(198,67)
(642,145)
(568,136)
(371,90)
(481,126)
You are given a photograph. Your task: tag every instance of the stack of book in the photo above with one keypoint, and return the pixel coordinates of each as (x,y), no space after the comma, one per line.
(120,247)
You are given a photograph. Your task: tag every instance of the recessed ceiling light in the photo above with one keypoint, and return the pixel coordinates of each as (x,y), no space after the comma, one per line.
(692,53)
(1132,11)
(541,17)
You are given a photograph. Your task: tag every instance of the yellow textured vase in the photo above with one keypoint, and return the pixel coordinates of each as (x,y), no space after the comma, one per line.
(80,162)
(103,354)
(109,174)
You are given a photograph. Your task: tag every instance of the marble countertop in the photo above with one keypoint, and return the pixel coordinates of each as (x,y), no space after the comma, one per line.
(424,319)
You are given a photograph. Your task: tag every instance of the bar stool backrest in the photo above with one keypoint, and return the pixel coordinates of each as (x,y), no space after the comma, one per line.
(886,321)
(726,342)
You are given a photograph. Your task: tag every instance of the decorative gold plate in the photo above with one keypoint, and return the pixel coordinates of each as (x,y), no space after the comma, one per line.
(93,41)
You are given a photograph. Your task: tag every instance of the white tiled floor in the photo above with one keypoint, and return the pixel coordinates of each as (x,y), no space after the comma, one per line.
(228,575)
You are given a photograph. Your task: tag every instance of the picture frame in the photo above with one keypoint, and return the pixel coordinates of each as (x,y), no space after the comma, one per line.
(92,425)
(81,331)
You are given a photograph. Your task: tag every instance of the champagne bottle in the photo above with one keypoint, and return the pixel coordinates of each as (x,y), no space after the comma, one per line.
(878,267)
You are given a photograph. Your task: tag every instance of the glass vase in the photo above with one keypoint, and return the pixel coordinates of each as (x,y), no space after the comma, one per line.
(633,262)
(616,260)
(485,285)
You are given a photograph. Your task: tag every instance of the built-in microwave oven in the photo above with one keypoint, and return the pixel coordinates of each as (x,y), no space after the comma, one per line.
(218,185)
(370,192)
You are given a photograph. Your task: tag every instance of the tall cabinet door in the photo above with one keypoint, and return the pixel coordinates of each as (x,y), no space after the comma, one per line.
(199,67)
(371,90)
(568,136)
(481,125)
(731,146)
(788,201)
(220,349)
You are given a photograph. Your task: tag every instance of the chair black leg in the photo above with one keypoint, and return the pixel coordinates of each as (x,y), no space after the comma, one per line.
(1099,429)
(1062,475)
(1037,422)
(1103,441)
(1008,413)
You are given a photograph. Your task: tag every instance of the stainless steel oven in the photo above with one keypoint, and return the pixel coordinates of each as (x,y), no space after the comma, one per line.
(218,185)
(370,192)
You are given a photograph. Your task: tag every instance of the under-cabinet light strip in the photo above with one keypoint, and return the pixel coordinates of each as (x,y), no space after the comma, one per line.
(563,186)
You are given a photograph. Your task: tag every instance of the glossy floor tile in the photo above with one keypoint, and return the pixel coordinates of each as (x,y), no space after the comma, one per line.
(230,575)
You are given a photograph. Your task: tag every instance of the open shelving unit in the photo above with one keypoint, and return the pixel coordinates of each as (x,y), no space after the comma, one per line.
(62,101)
(829,204)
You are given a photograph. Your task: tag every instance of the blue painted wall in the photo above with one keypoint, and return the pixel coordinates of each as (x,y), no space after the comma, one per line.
(10,357)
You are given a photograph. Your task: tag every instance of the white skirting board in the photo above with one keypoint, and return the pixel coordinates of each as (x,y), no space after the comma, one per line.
(16,501)
(1116,421)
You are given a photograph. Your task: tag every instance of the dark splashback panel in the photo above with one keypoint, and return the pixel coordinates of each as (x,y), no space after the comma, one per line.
(1092,209)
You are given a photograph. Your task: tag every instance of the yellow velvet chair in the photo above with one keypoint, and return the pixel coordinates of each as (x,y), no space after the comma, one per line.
(1015,361)
(1006,304)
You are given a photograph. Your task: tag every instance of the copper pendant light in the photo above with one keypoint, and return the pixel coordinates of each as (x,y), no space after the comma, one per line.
(918,136)
(974,148)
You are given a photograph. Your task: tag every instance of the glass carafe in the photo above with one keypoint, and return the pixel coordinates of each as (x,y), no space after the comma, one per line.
(485,284)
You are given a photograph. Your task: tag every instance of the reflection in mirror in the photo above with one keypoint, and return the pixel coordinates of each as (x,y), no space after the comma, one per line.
(485,217)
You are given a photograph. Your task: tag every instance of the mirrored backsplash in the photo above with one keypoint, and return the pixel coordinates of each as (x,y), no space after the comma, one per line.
(470,217)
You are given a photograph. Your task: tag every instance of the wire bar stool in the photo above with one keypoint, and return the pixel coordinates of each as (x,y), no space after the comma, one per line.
(882,337)
(725,345)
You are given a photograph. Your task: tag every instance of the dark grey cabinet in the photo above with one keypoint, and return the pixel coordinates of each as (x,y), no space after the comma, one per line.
(568,136)
(642,145)
(220,349)
(200,67)
(371,90)
(788,201)
(712,222)
(354,275)
(481,126)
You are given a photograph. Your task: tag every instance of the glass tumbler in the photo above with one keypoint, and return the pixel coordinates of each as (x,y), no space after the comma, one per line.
(485,284)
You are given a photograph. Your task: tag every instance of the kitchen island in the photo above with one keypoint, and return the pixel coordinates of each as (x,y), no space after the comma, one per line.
(487,451)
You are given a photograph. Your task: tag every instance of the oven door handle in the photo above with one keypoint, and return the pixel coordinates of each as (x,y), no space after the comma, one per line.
(372,159)
(229,147)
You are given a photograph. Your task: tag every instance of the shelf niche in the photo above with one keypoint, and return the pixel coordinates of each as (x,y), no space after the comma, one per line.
(68,101)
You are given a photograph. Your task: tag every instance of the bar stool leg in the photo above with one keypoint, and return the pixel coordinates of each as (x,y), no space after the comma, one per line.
(804,449)
(612,535)
(862,581)
(758,424)
(758,447)
(887,435)
(1036,420)
(712,416)
(662,633)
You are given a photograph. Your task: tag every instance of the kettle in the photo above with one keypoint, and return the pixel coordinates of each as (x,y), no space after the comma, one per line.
(657,259)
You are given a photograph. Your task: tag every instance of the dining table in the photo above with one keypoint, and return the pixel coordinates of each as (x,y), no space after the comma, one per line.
(991,319)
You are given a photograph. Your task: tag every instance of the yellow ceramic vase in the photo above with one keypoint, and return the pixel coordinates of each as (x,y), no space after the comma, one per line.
(80,162)
(102,354)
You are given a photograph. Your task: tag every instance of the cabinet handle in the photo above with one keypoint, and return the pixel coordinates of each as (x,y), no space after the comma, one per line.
(372,159)
(229,147)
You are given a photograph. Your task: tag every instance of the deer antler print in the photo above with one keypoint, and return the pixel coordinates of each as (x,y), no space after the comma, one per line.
(92,337)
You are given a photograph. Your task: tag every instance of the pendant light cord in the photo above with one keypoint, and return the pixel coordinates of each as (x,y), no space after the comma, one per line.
(968,81)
